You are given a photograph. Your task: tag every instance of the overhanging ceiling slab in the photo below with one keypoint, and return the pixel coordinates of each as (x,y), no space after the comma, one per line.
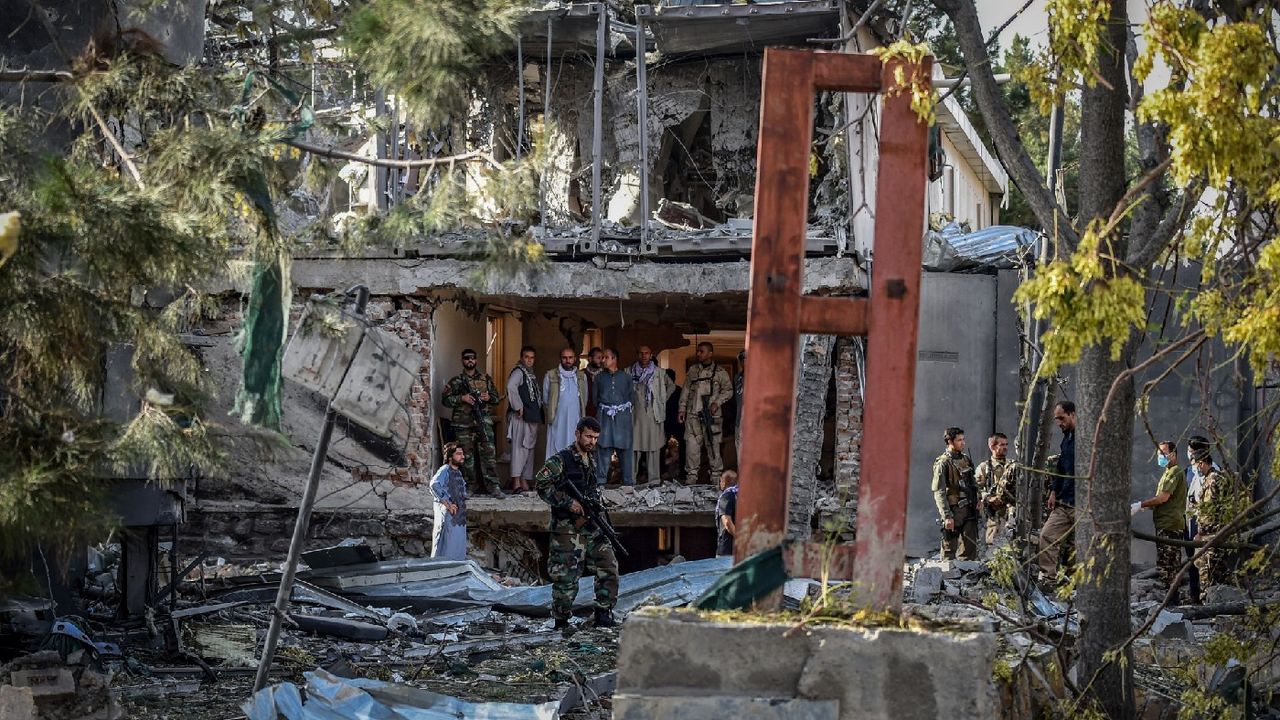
(726,28)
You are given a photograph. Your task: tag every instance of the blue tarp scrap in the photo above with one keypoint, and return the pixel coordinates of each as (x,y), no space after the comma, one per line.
(330,697)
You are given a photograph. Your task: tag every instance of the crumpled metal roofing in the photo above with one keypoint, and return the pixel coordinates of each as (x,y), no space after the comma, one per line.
(330,697)
(999,247)
(433,584)
(668,585)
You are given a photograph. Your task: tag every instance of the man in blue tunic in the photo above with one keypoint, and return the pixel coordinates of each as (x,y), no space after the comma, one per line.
(449,531)
(612,397)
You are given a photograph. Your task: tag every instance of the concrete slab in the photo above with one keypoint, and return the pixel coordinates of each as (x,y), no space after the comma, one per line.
(702,707)
(17,703)
(874,673)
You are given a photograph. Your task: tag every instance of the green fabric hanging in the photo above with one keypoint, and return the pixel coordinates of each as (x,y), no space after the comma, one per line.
(262,338)
(746,582)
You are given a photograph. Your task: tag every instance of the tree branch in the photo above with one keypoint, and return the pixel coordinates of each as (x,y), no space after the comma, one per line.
(1187,543)
(1146,250)
(332,152)
(1199,336)
(41,76)
(1009,147)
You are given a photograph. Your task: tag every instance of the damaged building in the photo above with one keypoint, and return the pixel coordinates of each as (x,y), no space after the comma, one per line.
(668,136)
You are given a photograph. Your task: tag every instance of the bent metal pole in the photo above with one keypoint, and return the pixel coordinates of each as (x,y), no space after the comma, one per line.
(303,523)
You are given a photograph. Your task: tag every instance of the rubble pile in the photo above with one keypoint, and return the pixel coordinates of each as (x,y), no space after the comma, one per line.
(443,634)
(1183,657)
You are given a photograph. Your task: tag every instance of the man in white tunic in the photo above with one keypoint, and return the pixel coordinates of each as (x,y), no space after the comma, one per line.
(524,400)
(565,389)
(449,525)
(652,387)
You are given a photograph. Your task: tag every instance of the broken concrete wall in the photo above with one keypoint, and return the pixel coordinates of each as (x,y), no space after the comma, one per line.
(807,435)
(247,508)
(734,87)
(567,128)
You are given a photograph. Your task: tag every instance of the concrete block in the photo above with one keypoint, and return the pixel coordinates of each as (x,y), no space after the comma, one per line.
(17,703)
(667,707)
(894,674)
(683,651)
(926,584)
(1220,594)
(874,673)
(46,682)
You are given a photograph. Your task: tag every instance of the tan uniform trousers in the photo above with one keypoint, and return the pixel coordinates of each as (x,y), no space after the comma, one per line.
(1056,534)
(695,439)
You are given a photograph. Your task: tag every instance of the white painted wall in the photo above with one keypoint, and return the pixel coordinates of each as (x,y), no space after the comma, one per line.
(972,202)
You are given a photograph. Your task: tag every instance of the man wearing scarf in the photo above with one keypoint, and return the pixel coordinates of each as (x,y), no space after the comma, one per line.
(524,415)
(612,395)
(565,389)
(652,388)
(449,488)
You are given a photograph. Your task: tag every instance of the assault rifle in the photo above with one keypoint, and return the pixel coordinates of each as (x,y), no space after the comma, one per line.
(476,405)
(708,422)
(970,480)
(594,514)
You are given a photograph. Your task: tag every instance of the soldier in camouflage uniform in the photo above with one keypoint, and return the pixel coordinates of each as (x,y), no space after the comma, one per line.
(706,388)
(1220,500)
(472,396)
(571,541)
(955,494)
(995,480)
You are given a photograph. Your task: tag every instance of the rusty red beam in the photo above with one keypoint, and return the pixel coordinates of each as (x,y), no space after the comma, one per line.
(833,315)
(773,309)
(846,72)
(892,327)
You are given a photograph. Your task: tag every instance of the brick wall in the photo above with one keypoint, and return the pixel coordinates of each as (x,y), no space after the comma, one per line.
(410,319)
(848,450)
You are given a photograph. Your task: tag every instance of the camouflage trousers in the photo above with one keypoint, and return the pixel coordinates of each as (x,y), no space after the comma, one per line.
(1169,560)
(477,443)
(569,547)
(1212,564)
(696,440)
(965,536)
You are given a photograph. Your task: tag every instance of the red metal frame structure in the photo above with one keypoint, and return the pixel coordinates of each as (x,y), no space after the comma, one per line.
(778,312)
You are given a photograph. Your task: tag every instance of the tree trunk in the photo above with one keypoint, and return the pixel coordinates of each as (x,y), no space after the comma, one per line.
(806,440)
(1102,520)
(1102,531)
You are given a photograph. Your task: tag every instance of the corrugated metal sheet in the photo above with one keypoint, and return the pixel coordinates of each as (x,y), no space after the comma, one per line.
(999,247)
(330,697)
(426,584)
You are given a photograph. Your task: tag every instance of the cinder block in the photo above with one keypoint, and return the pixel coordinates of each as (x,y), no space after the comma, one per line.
(633,707)
(46,682)
(873,673)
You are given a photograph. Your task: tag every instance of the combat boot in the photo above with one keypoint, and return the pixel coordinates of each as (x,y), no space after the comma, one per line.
(561,624)
(604,618)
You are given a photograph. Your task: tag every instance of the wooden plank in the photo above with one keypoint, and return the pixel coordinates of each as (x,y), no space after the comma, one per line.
(773,313)
(833,315)
(893,322)
(846,72)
